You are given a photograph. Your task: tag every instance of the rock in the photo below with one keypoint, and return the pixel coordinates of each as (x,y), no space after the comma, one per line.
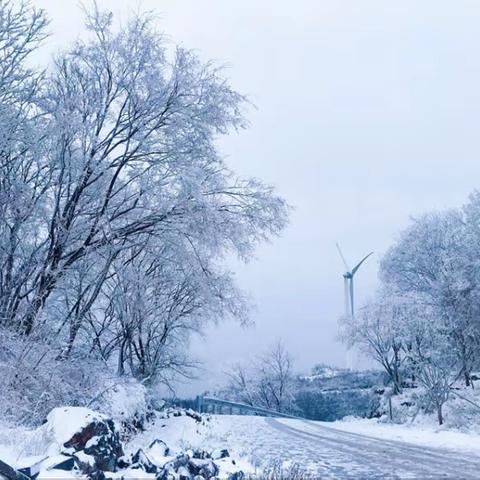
(220,453)
(67,464)
(158,448)
(9,473)
(47,464)
(184,474)
(31,469)
(141,460)
(166,474)
(205,468)
(86,462)
(79,429)
(209,469)
(237,476)
(195,465)
(96,475)
(182,460)
(200,454)
(100,441)
(123,462)
(193,414)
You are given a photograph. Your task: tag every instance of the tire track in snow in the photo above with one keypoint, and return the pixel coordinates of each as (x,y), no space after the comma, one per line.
(352,455)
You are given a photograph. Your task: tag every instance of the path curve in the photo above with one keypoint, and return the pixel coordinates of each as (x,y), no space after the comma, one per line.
(330,453)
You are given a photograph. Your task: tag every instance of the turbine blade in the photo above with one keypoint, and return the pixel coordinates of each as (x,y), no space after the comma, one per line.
(360,263)
(342,257)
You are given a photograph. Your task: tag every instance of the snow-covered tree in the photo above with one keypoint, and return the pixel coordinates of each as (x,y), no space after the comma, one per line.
(435,261)
(267,381)
(424,321)
(117,210)
(378,330)
(24,176)
(134,157)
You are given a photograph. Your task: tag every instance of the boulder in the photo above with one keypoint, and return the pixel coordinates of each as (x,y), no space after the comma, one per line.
(166,474)
(193,414)
(158,448)
(100,441)
(57,462)
(184,474)
(209,469)
(237,476)
(78,429)
(199,454)
(220,453)
(182,460)
(123,462)
(141,460)
(9,473)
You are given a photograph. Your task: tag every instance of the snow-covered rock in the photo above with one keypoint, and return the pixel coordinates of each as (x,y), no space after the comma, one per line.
(220,453)
(89,435)
(9,473)
(143,461)
(158,448)
(79,442)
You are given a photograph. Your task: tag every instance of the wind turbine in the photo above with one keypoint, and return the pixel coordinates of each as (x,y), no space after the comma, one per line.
(348,282)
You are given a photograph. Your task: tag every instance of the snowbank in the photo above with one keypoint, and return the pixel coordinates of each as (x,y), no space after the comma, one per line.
(427,434)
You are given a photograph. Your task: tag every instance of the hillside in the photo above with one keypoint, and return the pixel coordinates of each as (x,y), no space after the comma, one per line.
(331,393)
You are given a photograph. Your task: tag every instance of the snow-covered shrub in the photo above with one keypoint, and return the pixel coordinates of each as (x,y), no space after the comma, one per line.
(281,471)
(35,380)
(462,410)
(123,400)
(404,407)
(126,402)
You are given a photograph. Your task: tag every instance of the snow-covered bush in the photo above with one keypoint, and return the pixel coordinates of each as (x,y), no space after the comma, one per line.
(34,380)
(123,400)
(462,410)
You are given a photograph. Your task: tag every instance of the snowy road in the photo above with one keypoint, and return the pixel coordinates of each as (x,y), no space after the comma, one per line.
(324,452)
(331,453)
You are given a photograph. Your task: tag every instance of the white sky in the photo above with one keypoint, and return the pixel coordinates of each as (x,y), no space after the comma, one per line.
(368,113)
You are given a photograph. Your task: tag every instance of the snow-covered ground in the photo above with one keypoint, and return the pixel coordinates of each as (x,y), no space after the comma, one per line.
(12,445)
(351,448)
(426,434)
(215,433)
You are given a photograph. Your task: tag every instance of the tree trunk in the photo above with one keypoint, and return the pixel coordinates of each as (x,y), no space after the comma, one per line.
(121,360)
(439,414)
(45,288)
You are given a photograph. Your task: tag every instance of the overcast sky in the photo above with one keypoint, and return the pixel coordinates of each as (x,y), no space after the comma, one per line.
(367,113)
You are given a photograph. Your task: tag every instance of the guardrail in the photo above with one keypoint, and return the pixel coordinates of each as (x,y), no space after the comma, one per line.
(217,406)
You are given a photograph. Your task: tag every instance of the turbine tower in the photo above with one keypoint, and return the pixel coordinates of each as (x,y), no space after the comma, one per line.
(348,282)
